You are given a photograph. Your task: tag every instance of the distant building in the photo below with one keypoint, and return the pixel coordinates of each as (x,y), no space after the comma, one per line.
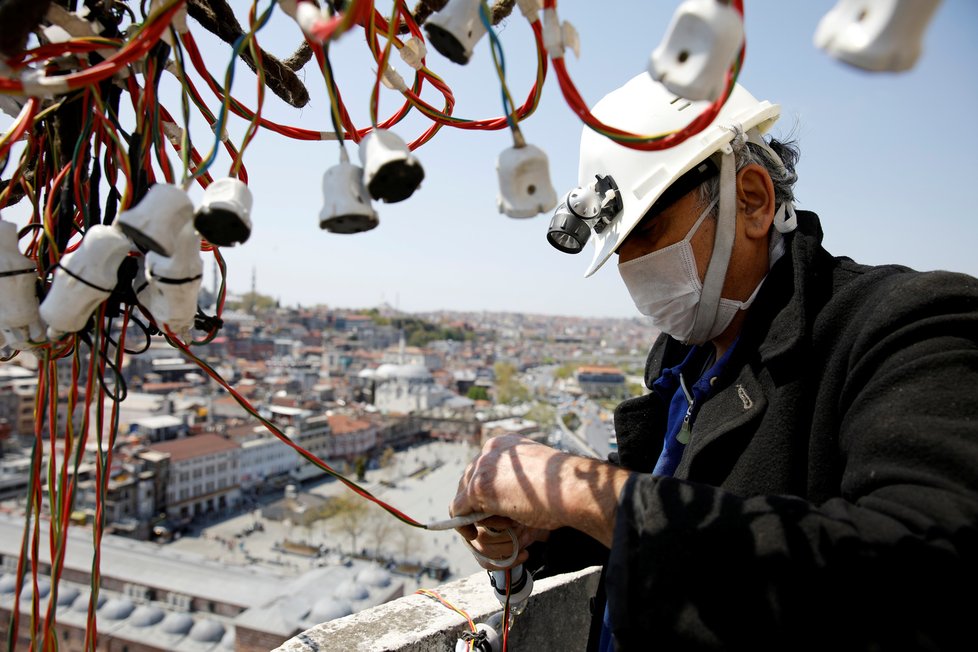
(155,600)
(602,382)
(265,458)
(351,437)
(203,475)
(403,389)
(157,428)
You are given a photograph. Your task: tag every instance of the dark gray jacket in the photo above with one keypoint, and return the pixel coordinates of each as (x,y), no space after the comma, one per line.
(828,498)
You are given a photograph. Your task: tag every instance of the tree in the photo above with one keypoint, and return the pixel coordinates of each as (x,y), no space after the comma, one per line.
(565,371)
(477,393)
(407,537)
(379,528)
(349,517)
(542,413)
(508,387)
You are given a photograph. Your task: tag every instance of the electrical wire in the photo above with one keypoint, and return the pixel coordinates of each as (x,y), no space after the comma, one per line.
(64,165)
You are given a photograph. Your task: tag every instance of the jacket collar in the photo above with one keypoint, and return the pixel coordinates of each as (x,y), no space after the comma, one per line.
(780,320)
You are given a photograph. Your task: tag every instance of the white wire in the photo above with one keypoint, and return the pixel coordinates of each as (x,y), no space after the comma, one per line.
(470,519)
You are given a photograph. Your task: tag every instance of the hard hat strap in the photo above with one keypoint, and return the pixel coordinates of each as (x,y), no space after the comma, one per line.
(716,271)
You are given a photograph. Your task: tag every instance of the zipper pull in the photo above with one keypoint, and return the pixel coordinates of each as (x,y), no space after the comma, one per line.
(686,429)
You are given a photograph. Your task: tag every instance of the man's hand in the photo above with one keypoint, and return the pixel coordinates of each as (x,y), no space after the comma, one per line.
(538,488)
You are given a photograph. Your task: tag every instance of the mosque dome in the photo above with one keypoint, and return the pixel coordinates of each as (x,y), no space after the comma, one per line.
(207,631)
(177,623)
(84,597)
(328,609)
(374,576)
(352,591)
(8,584)
(117,609)
(146,615)
(43,588)
(67,595)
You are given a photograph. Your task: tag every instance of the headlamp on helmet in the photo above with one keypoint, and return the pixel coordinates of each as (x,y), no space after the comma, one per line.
(587,208)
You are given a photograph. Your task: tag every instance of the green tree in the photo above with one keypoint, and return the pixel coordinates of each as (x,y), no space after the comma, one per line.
(477,393)
(252,302)
(508,387)
(349,517)
(565,371)
(542,413)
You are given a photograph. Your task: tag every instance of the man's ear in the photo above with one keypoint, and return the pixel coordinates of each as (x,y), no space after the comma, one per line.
(755,200)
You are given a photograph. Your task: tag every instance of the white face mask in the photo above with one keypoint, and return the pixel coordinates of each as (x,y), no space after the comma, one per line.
(666,287)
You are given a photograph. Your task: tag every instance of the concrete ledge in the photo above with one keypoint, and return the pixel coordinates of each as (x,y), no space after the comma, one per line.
(556,618)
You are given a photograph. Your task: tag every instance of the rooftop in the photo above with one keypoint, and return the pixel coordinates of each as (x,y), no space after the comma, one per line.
(187,448)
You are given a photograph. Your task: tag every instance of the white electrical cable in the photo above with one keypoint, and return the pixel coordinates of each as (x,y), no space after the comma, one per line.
(471,519)
(458,521)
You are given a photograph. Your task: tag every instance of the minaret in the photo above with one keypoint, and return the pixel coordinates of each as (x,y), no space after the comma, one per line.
(254,290)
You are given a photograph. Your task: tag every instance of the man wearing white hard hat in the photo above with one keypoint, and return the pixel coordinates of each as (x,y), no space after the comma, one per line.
(803,473)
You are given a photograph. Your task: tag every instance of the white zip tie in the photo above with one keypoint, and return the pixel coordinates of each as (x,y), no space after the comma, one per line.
(37,85)
(393,80)
(413,52)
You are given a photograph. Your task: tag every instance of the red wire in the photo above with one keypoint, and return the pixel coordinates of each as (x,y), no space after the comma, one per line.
(363,493)
(33,104)
(578,105)
(236,107)
(133,50)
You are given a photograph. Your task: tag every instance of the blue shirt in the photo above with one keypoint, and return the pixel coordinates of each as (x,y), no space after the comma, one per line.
(669,386)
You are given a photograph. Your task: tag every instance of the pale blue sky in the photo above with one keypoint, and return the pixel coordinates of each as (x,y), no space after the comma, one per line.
(888,162)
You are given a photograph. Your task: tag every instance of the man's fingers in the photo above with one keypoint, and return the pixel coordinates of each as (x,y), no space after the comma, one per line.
(468,532)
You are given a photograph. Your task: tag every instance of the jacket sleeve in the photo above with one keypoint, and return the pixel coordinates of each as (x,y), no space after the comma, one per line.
(890,562)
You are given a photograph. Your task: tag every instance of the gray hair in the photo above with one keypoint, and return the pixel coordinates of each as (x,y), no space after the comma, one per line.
(782,174)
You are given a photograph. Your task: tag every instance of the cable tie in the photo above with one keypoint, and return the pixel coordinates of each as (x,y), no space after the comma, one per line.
(173,132)
(530,9)
(552,38)
(571,38)
(414,52)
(288,7)
(38,85)
(72,24)
(393,80)
(224,132)
(328,135)
(179,21)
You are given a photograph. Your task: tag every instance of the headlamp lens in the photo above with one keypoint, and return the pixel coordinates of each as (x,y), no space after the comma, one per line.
(568,232)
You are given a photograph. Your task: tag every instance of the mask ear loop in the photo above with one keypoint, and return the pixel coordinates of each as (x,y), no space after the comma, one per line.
(716,272)
(785,219)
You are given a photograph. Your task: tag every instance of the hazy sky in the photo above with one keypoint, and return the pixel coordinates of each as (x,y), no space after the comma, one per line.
(888,162)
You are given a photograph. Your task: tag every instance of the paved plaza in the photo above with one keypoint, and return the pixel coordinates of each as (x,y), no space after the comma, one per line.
(423,495)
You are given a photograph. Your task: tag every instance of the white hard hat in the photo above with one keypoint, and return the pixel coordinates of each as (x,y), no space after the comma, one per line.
(644,106)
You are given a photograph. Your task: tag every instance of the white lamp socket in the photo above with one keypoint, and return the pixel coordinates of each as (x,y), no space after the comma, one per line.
(85,278)
(156,221)
(20,321)
(700,45)
(391,173)
(346,204)
(876,35)
(456,29)
(173,283)
(524,182)
(224,214)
